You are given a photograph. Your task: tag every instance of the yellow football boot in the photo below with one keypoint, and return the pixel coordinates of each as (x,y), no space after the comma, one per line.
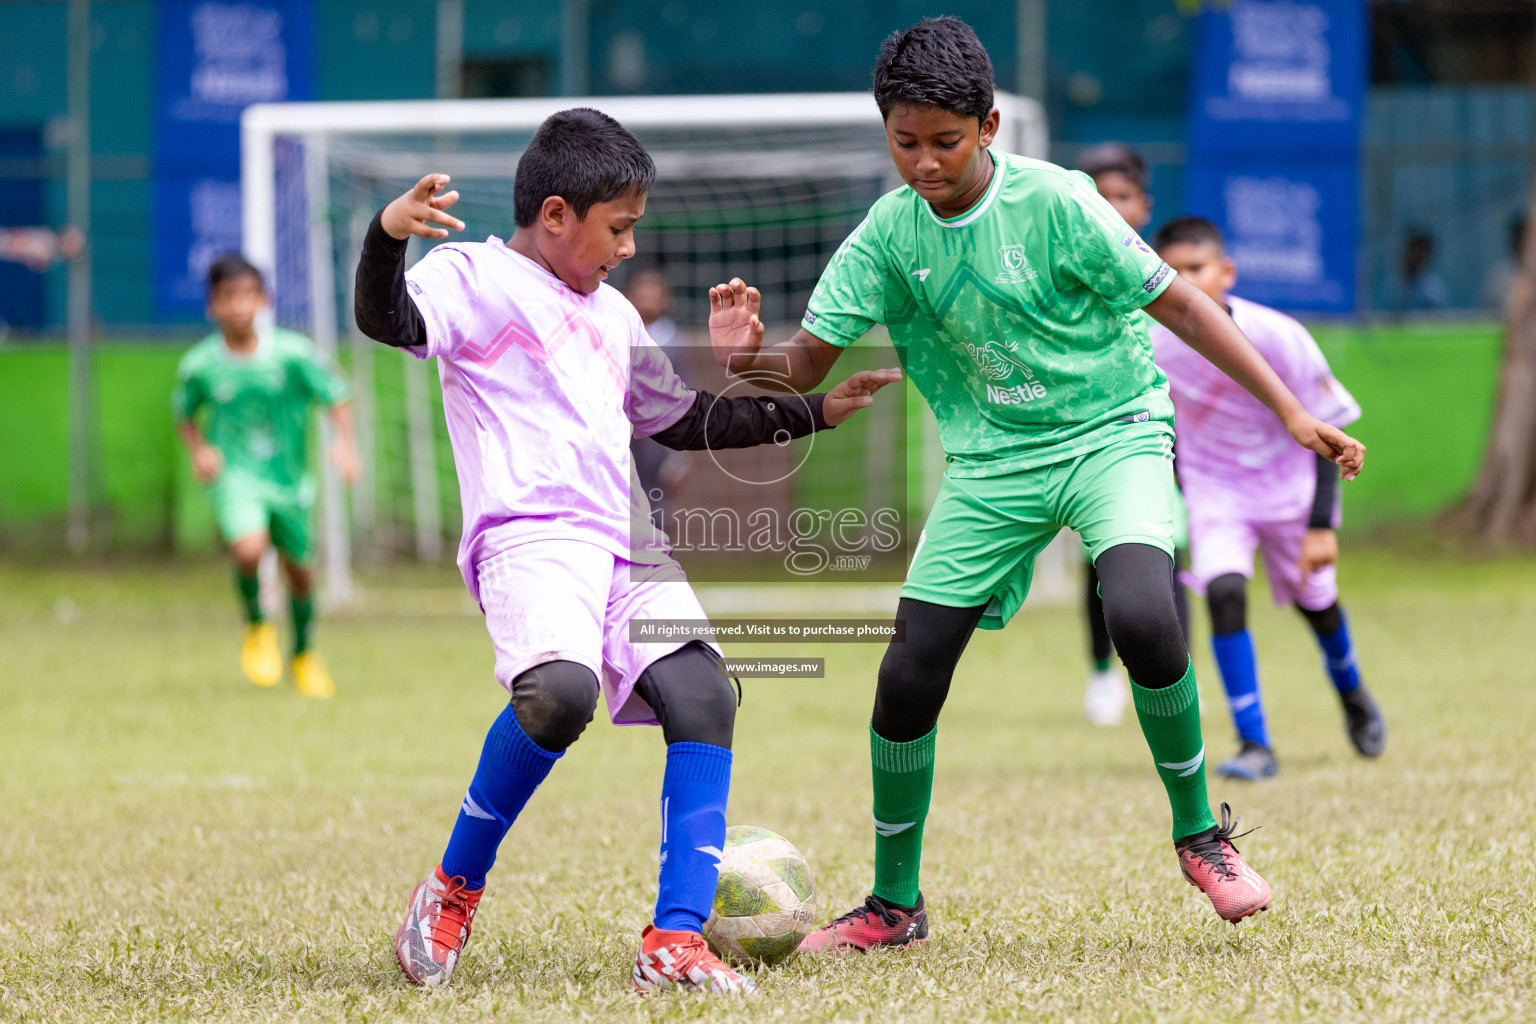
(310,677)
(260,659)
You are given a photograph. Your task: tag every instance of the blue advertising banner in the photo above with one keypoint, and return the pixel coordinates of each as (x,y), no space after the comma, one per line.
(1289,226)
(1277,102)
(215,59)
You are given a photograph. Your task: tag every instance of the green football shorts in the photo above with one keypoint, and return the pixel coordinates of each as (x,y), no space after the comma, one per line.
(1180,527)
(244,504)
(982,536)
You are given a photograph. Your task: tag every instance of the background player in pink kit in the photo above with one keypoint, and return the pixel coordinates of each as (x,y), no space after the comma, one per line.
(1120,175)
(1248,487)
(547,373)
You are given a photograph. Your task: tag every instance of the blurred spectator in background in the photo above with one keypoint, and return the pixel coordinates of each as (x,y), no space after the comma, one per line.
(661,470)
(1502,276)
(1120,175)
(651,296)
(1421,287)
(40,248)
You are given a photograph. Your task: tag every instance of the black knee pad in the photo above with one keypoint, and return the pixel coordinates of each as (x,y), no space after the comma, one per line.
(693,698)
(1325,622)
(908,695)
(554,702)
(1227,597)
(1137,583)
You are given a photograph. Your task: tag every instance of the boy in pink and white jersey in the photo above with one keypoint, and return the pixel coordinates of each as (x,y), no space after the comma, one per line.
(547,374)
(1248,486)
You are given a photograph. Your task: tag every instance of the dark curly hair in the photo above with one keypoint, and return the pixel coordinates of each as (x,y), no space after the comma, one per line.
(583,156)
(1188,231)
(938,62)
(1114,158)
(228,267)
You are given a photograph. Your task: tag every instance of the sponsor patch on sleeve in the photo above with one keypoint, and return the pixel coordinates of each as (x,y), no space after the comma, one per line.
(810,317)
(1157,278)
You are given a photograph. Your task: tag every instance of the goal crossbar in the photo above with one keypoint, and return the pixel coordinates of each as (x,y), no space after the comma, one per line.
(1022,130)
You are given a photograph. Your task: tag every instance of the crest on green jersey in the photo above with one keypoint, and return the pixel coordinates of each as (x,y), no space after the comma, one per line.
(1015,269)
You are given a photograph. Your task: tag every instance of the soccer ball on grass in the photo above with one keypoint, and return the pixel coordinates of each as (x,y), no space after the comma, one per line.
(765,901)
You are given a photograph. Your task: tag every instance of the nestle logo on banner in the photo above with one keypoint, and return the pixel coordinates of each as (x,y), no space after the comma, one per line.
(1281,52)
(1280,55)
(1273,229)
(240,57)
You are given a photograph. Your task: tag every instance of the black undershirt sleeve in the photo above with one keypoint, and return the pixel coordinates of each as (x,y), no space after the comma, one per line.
(715,422)
(384,310)
(1325,497)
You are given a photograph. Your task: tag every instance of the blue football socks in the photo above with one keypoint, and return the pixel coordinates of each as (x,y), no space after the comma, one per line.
(511,768)
(1240,676)
(693,795)
(1339,656)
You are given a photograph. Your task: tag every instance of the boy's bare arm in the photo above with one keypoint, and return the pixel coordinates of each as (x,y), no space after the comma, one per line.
(207,461)
(1208,329)
(736,334)
(343,453)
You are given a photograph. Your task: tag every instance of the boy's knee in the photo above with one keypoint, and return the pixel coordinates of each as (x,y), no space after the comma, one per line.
(1133,626)
(301,579)
(899,672)
(907,698)
(1325,622)
(1141,615)
(247,551)
(554,702)
(691,695)
(1227,597)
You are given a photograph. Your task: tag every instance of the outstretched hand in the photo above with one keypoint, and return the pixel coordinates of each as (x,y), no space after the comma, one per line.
(421,210)
(207,463)
(734,327)
(855,393)
(1330,442)
(343,456)
(1319,549)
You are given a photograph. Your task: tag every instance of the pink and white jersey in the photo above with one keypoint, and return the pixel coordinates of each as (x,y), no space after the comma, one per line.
(1234,456)
(543,387)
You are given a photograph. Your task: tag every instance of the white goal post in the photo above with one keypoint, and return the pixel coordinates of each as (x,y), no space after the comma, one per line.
(302,216)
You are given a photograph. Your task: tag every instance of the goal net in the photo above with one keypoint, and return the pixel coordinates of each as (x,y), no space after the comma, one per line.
(762,187)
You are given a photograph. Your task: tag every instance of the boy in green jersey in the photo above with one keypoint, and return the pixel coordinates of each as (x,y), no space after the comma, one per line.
(242,404)
(1011,289)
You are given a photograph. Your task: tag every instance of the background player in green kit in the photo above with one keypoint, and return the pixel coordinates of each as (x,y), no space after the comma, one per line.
(1010,289)
(242,404)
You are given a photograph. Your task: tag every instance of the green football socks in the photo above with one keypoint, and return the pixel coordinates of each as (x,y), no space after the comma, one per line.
(250,595)
(1170,720)
(1101,664)
(303,609)
(903,777)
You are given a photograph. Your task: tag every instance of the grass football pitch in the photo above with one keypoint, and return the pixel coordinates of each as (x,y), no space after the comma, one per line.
(178,845)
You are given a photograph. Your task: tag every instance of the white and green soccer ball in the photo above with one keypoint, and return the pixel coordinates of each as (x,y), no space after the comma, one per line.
(765,901)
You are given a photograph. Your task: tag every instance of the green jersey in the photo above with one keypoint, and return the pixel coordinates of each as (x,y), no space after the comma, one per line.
(1018,320)
(258,405)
